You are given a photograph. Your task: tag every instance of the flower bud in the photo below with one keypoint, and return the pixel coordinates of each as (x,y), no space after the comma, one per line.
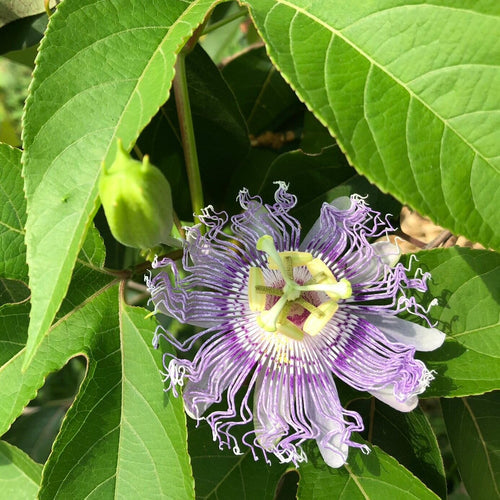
(137,201)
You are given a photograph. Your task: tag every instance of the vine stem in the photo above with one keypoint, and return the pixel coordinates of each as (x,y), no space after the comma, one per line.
(226,20)
(187,135)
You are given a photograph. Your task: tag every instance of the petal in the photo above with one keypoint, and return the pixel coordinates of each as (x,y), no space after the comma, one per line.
(340,238)
(360,355)
(331,438)
(259,219)
(221,364)
(388,253)
(386,395)
(410,401)
(335,452)
(270,409)
(295,400)
(406,332)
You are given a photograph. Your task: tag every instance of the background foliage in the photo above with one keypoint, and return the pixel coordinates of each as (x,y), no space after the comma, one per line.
(396,99)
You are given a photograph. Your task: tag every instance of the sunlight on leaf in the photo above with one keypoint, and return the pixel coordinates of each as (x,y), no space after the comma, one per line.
(406,90)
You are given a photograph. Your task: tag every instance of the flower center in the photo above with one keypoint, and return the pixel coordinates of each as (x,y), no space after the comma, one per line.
(293,295)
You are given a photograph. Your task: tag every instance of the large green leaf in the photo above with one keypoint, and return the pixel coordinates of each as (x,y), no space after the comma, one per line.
(122,430)
(121,405)
(407,437)
(73,117)
(472,425)
(121,437)
(20,476)
(373,476)
(465,283)
(12,215)
(407,90)
(264,97)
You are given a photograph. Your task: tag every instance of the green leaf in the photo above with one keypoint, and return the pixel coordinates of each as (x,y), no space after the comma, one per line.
(472,425)
(465,282)
(265,99)
(222,474)
(373,476)
(407,437)
(121,430)
(311,178)
(20,477)
(139,40)
(12,215)
(14,320)
(122,436)
(406,90)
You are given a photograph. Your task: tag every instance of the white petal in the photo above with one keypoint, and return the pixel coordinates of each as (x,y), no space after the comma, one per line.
(195,398)
(333,451)
(342,203)
(387,251)
(271,410)
(385,254)
(386,395)
(334,458)
(406,332)
(216,378)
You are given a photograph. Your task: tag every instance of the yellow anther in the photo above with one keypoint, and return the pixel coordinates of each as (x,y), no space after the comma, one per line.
(320,271)
(256,299)
(296,259)
(320,317)
(268,319)
(290,330)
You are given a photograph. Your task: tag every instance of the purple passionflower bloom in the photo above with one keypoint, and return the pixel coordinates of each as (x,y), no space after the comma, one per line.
(282,318)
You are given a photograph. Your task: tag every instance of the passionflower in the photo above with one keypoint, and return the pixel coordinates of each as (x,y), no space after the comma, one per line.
(281,318)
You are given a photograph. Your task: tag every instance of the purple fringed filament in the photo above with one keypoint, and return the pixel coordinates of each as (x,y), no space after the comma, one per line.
(282,318)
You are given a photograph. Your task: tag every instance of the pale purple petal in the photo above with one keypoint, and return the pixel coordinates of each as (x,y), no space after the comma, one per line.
(406,332)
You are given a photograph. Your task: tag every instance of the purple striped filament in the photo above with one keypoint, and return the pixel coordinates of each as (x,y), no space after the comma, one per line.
(282,318)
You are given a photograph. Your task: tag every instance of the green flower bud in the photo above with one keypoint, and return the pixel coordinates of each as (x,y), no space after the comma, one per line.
(137,201)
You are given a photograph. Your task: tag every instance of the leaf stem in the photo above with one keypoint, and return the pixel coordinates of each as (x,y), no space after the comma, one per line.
(187,135)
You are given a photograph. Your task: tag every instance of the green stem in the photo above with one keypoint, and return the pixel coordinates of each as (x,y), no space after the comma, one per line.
(187,135)
(226,20)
